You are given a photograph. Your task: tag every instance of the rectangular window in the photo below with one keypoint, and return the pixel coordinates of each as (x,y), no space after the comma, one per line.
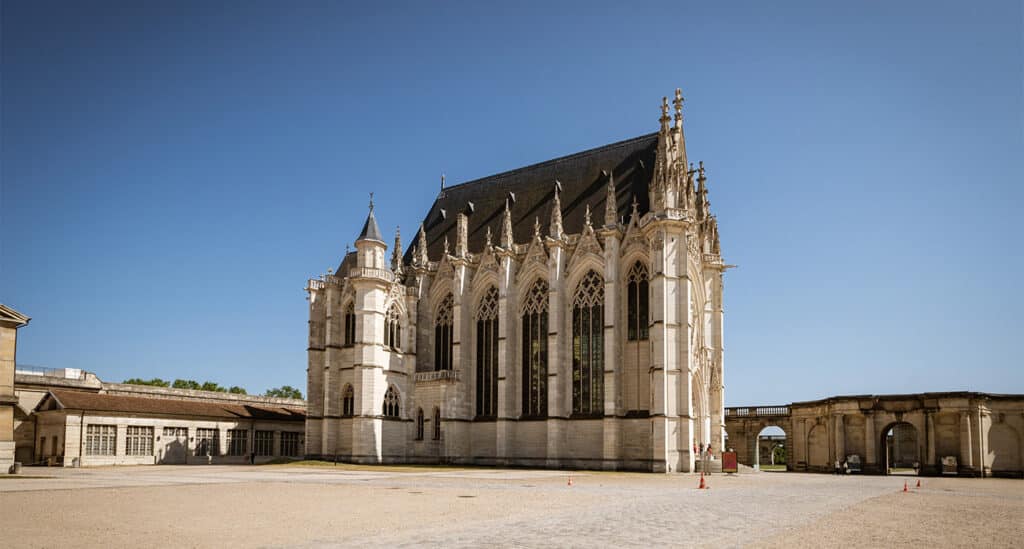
(238,442)
(207,442)
(139,441)
(290,444)
(263,444)
(101,440)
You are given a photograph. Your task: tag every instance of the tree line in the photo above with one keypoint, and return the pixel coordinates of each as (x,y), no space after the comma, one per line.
(284,391)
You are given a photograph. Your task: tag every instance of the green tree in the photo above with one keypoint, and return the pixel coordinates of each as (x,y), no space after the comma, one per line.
(186,384)
(155,382)
(285,391)
(237,390)
(211,386)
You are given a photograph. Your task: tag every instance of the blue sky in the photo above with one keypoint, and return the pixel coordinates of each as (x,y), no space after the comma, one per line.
(173,172)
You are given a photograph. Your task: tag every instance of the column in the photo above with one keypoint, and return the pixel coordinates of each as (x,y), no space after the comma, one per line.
(612,351)
(559,371)
(929,419)
(869,442)
(507,373)
(840,437)
(966,448)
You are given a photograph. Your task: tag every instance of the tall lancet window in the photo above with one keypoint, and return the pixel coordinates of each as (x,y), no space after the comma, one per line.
(350,324)
(637,302)
(487,355)
(535,351)
(444,321)
(393,329)
(588,346)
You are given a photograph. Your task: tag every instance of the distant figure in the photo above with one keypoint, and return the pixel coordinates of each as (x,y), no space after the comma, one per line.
(252,458)
(837,467)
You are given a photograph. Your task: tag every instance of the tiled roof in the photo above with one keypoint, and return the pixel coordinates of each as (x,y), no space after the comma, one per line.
(584,182)
(80,400)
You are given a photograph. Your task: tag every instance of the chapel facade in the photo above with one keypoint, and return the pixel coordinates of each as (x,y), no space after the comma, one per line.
(564,314)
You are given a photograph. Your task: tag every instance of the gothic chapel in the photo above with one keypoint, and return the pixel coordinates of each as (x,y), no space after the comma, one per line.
(564,314)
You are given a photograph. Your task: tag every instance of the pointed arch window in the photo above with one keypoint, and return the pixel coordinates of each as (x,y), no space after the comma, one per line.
(350,324)
(437,424)
(535,350)
(487,355)
(393,329)
(444,322)
(419,424)
(392,403)
(348,401)
(588,346)
(638,325)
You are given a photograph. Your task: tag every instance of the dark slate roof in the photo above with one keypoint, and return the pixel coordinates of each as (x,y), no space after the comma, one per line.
(584,182)
(86,401)
(370,229)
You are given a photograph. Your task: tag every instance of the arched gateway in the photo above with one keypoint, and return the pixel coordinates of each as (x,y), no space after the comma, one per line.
(962,433)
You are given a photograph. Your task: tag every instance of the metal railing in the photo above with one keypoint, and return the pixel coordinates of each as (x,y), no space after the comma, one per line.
(438,375)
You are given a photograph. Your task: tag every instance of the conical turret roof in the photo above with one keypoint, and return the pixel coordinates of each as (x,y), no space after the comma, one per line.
(370,229)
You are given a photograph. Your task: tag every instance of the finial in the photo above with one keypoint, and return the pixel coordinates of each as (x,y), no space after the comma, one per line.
(678,103)
(664,107)
(701,169)
(636,208)
(487,237)
(371,202)
(536,227)
(556,212)
(347,247)
(611,205)
(442,181)
(586,216)
(330,271)
(445,248)
(505,238)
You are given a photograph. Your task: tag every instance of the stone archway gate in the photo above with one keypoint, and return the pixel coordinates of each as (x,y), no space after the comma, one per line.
(965,433)
(743,424)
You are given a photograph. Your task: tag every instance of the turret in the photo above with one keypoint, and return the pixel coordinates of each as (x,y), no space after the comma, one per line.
(370,245)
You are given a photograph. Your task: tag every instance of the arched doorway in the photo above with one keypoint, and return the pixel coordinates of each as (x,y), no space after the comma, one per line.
(770,449)
(899,450)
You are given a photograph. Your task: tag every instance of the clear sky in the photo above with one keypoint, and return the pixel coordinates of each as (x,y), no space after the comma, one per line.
(173,172)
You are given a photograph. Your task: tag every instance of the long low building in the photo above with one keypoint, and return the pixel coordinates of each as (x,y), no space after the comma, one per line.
(79,428)
(69,417)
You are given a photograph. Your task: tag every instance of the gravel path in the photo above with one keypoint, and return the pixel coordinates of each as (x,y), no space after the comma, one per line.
(267,506)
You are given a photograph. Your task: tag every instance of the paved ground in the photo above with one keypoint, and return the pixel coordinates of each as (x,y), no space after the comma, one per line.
(287,506)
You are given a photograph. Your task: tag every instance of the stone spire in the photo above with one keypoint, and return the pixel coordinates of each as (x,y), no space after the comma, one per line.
(702,192)
(678,104)
(611,210)
(505,238)
(556,213)
(461,235)
(420,257)
(396,253)
(678,127)
(664,115)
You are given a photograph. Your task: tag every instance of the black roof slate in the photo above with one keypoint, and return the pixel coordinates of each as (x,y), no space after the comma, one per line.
(584,180)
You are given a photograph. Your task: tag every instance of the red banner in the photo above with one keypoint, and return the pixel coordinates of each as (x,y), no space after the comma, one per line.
(729,462)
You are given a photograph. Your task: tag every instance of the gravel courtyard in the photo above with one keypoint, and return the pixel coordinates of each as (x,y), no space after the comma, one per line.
(316,506)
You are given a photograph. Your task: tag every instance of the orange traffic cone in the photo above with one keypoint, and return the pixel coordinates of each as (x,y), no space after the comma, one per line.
(904,486)
(702,485)
(570,480)
(918,483)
